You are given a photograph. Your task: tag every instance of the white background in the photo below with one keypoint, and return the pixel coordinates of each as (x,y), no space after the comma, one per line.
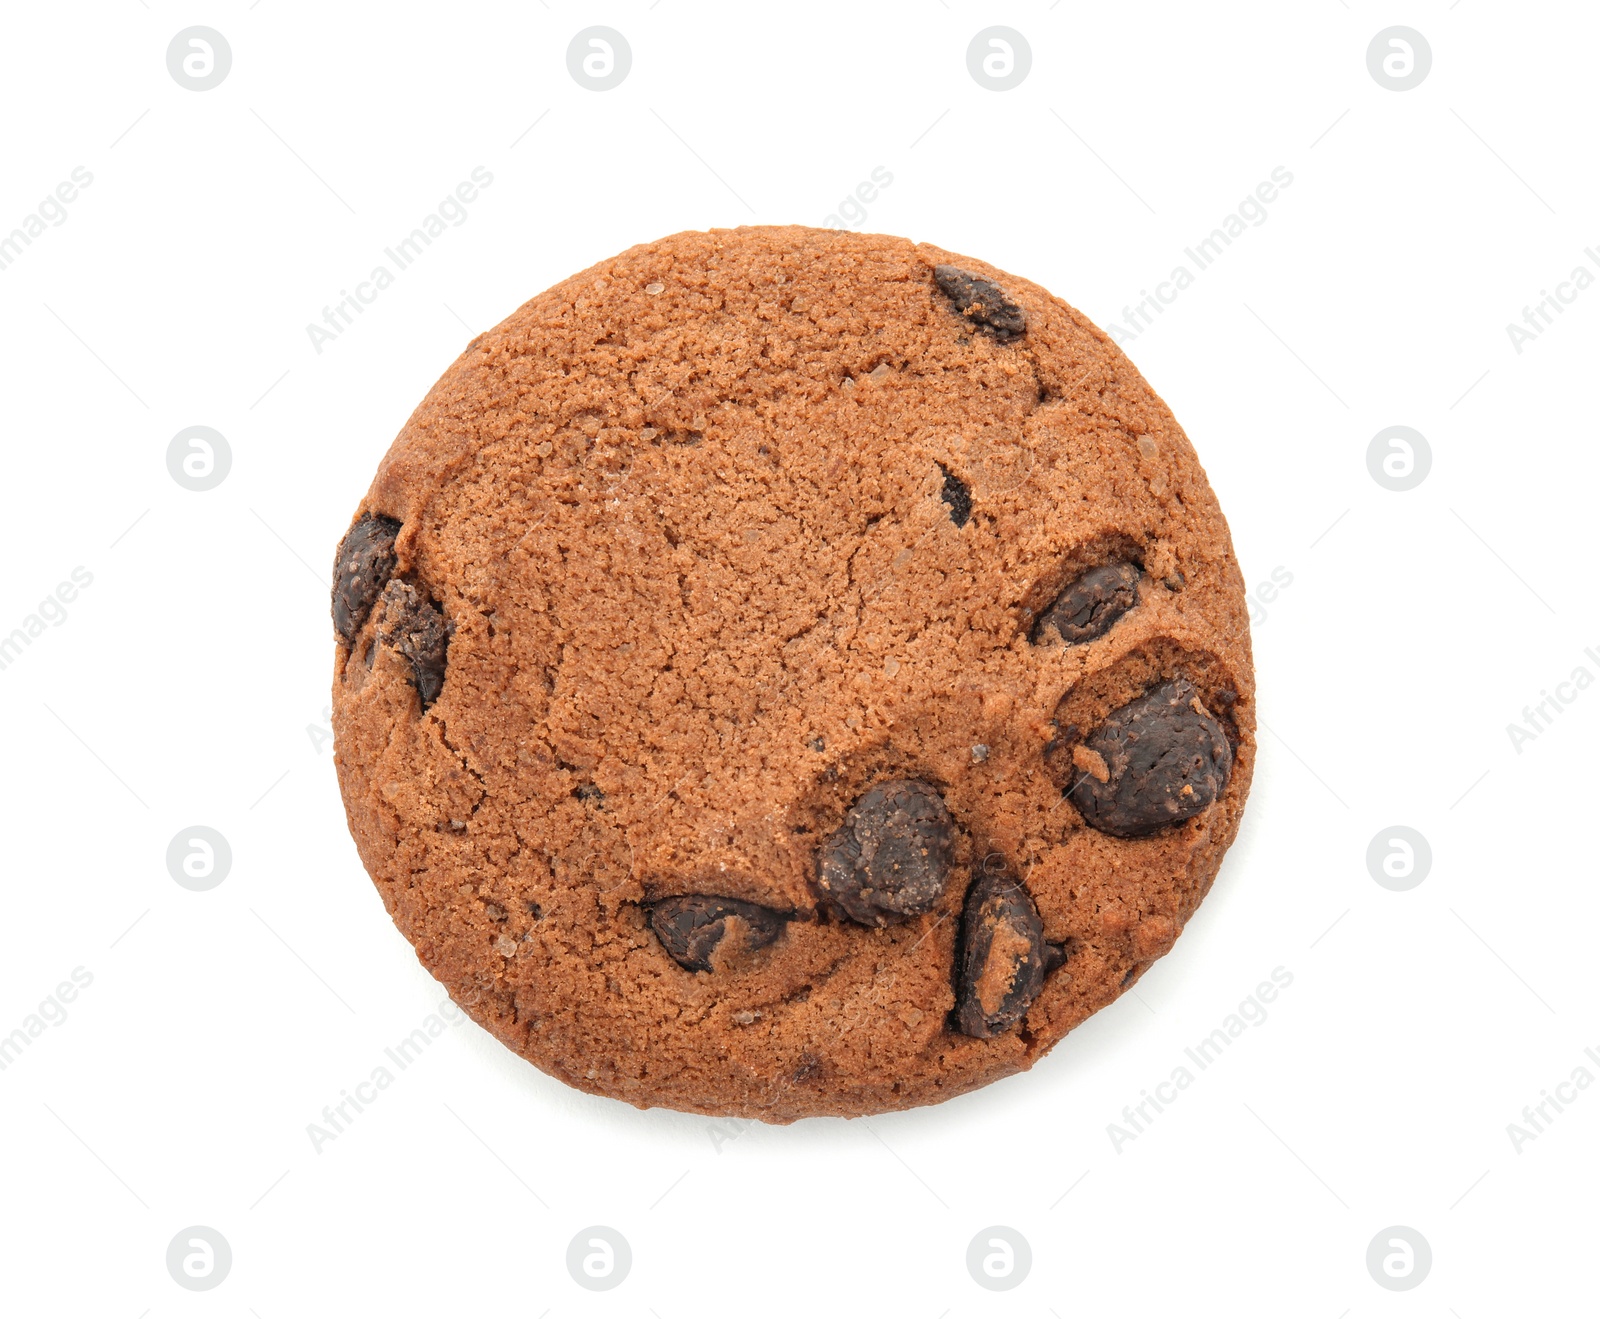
(188,683)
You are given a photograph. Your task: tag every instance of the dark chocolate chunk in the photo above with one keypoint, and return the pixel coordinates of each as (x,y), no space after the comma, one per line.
(956,494)
(1091,604)
(1003,959)
(588,792)
(414,626)
(361,570)
(891,858)
(691,927)
(981,301)
(1164,758)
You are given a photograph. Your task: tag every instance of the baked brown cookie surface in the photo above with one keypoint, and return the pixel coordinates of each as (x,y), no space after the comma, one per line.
(787,672)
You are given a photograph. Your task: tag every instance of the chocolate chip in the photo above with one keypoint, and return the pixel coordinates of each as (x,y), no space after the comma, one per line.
(361,569)
(891,858)
(413,625)
(1002,964)
(1091,604)
(958,496)
(810,1069)
(691,927)
(981,300)
(588,792)
(1165,758)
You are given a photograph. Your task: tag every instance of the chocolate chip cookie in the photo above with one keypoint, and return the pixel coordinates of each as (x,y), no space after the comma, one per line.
(787,672)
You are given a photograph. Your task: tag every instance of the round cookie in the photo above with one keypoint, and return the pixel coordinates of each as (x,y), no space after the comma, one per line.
(787,672)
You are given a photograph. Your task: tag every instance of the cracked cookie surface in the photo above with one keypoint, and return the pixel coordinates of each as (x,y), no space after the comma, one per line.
(674,622)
